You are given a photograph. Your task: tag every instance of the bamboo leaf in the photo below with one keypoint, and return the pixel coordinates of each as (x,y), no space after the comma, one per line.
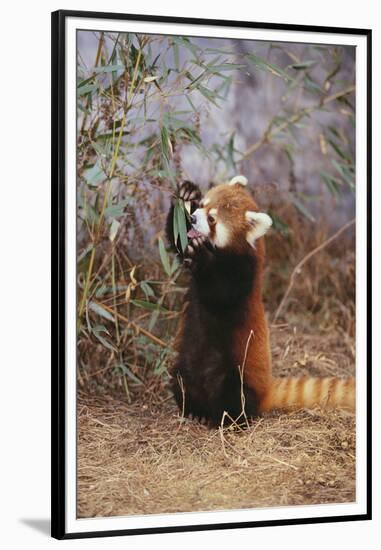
(181,224)
(84,252)
(147,289)
(184,41)
(164,257)
(109,68)
(302,65)
(87,89)
(105,343)
(128,372)
(95,175)
(116,210)
(175,265)
(164,135)
(346,173)
(113,230)
(302,208)
(86,81)
(269,67)
(331,183)
(148,305)
(343,154)
(101,311)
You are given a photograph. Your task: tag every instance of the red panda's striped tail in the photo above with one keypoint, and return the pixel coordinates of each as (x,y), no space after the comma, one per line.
(307,393)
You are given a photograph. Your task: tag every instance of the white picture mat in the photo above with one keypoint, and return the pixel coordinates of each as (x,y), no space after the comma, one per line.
(74,525)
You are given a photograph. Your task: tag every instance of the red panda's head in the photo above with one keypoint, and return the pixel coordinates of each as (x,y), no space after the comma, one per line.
(229,217)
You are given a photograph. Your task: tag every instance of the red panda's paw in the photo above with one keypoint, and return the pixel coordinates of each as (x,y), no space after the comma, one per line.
(196,246)
(189,191)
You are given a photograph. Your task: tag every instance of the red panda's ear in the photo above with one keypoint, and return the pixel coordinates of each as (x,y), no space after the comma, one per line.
(259,222)
(241,180)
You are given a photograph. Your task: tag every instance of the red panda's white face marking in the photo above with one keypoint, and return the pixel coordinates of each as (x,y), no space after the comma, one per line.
(200,222)
(228,218)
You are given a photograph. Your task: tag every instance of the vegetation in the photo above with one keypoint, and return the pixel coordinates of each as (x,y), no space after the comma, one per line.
(140,111)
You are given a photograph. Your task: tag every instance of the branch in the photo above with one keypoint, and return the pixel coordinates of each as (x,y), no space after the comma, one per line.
(297,269)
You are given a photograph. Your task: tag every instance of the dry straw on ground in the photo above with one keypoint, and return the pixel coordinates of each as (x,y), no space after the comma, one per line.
(141,458)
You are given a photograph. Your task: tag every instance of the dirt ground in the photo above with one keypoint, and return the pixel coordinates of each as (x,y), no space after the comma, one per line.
(141,458)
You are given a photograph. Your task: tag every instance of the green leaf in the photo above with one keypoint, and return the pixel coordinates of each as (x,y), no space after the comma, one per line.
(162,174)
(164,135)
(100,311)
(96,331)
(105,289)
(331,183)
(209,94)
(183,41)
(84,252)
(128,372)
(187,97)
(100,328)
(230,151)
(175,265)
(343,154)
(302,208)
(176,56)
(109,68)
(95,175)
(269,67)
(116,210)
(279,225)
(346,172)
(302,65)
(147,289)
(87,89)
(220,50)
(180,224)
(311,86)
(216,69)
(148,305)
(86,81)
(113,230)
(164,257)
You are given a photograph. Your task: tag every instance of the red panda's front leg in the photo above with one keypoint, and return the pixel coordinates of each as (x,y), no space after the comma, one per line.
(199,250)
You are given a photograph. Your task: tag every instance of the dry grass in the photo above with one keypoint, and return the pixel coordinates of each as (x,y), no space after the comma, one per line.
(141,458)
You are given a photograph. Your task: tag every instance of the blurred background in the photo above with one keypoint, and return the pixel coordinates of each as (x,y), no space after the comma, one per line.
(155,110)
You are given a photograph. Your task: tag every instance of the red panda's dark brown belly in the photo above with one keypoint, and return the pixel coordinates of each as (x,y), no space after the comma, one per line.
(206,380)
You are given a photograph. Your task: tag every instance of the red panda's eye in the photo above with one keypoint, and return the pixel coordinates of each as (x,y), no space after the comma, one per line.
(211,219)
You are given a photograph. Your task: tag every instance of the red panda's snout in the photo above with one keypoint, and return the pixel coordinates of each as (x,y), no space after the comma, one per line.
(200,223)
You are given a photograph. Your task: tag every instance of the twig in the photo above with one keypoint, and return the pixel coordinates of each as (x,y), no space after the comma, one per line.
(241,369)
(221,432)
(282,462)
(181,384)
(297,269)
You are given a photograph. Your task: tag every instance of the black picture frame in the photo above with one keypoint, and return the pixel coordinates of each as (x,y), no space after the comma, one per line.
(58,194)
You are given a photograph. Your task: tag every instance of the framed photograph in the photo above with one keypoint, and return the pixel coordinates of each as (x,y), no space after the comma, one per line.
(211,190)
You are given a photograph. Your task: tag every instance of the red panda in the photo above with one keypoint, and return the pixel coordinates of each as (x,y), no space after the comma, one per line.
(224,362)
